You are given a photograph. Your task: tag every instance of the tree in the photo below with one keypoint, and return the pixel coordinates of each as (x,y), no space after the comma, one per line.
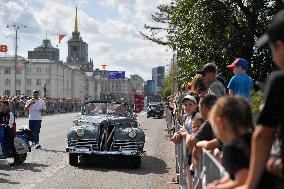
(218,31)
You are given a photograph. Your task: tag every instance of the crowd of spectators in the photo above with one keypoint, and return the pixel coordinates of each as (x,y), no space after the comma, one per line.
(218,117)
(53,105)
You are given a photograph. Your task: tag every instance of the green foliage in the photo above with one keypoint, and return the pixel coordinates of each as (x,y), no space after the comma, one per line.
(169,82)
(218,31)
(257,100)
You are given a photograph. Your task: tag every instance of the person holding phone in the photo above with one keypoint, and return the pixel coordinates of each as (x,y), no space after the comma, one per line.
(35,106)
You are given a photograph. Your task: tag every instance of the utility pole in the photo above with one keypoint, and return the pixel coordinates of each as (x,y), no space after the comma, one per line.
(16,27)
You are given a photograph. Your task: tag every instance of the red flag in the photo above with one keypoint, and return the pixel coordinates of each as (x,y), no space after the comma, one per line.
(60,37)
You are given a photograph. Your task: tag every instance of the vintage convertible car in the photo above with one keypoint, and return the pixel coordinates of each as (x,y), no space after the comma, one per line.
(106,128)
(155,110)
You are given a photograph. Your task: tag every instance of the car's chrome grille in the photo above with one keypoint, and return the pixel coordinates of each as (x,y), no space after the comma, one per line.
(128,145)
(84,143)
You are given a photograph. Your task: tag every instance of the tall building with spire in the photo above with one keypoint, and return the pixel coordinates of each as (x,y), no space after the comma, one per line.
(78,50)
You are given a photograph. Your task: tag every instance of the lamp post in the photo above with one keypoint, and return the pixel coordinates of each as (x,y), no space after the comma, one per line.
(16,27)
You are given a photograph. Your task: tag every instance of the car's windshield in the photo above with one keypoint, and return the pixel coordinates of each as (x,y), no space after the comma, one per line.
(116,109)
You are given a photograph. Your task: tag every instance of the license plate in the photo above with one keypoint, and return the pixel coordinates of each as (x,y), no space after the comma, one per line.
(83,150)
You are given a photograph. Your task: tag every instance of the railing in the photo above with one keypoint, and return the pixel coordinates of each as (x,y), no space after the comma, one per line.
(207,169)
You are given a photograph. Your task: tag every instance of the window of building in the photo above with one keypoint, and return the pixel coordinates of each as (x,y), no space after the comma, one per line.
(47,70)
(38,82)
(18,92)
(38,70)
(47,82)
(29,92)
(29,70)
(7,93)
(7,82)
(18,71)
(7,71)
(18,82)
(29,82)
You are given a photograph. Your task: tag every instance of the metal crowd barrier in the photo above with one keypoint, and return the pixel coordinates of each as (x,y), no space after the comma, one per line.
(206,171)
(51,108)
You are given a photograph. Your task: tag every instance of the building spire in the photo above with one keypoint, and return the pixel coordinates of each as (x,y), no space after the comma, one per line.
(76,22)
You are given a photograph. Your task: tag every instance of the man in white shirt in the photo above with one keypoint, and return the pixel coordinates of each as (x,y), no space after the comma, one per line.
(35,107)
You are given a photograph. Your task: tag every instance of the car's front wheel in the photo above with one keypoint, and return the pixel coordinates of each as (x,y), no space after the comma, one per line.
(73,159)
(21,158)
(136,162)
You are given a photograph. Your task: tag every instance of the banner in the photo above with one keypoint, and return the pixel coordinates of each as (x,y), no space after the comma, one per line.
(3,48)
(116,74)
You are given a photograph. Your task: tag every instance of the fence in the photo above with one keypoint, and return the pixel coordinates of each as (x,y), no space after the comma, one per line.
(207,170)
(18,107)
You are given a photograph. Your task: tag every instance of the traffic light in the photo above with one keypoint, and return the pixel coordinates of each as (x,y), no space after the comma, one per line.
(3,48)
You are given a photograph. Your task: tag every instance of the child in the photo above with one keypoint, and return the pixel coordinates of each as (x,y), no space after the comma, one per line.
(189,107)
(241,84)
(271,117)
(196,124)
(231,118)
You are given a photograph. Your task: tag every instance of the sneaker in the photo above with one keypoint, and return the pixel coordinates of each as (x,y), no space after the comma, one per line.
(37,146)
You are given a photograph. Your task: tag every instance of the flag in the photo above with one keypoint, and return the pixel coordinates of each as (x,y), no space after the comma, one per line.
(60,37)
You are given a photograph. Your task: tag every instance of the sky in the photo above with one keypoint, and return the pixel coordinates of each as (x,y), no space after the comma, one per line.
(110,27)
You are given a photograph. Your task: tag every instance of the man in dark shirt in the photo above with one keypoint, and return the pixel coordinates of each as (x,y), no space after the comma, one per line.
(272,116)
(209,74)
(205,132)
(7,119)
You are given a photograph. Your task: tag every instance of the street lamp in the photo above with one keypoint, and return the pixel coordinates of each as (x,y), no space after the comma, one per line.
(16,27)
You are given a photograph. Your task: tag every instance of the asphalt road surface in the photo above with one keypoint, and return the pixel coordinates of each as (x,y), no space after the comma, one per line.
(48,167)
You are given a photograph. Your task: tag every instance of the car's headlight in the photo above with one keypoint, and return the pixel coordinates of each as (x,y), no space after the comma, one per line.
(80,132)
(132,134)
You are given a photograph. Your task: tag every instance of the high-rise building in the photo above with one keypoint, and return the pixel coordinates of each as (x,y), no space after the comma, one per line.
(158,74)
(78,50)
(137,82)
(149,87)
(45,51)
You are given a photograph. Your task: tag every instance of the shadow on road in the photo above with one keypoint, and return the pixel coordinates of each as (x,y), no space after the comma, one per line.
(6,181)
(53,151)
(34,167)
(150,165)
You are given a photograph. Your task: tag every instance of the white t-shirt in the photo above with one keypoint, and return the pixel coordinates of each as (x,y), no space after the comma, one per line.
(188,122)
(34,113)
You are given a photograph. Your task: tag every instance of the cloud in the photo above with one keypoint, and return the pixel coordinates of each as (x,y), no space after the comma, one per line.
(113,40)
(140,60)
(100,47)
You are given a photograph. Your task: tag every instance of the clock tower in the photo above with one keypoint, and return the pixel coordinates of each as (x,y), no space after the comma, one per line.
(78,50)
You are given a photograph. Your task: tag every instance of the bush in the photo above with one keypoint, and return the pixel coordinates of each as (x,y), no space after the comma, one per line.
(257,99)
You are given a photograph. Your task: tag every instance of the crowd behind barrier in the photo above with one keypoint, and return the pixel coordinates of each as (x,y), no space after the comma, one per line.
(53,105)
(207,170)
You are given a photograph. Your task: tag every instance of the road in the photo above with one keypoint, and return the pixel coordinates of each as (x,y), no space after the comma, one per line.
(48,168)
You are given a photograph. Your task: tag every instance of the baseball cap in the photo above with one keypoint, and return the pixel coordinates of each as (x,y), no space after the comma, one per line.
(210,67)
(189,97)
(275,30)
(35,91)
(239,62)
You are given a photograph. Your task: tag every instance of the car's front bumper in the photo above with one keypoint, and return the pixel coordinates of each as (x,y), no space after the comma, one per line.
(79,151)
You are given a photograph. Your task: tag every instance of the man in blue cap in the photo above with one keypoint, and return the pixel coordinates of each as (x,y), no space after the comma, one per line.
(240,84)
